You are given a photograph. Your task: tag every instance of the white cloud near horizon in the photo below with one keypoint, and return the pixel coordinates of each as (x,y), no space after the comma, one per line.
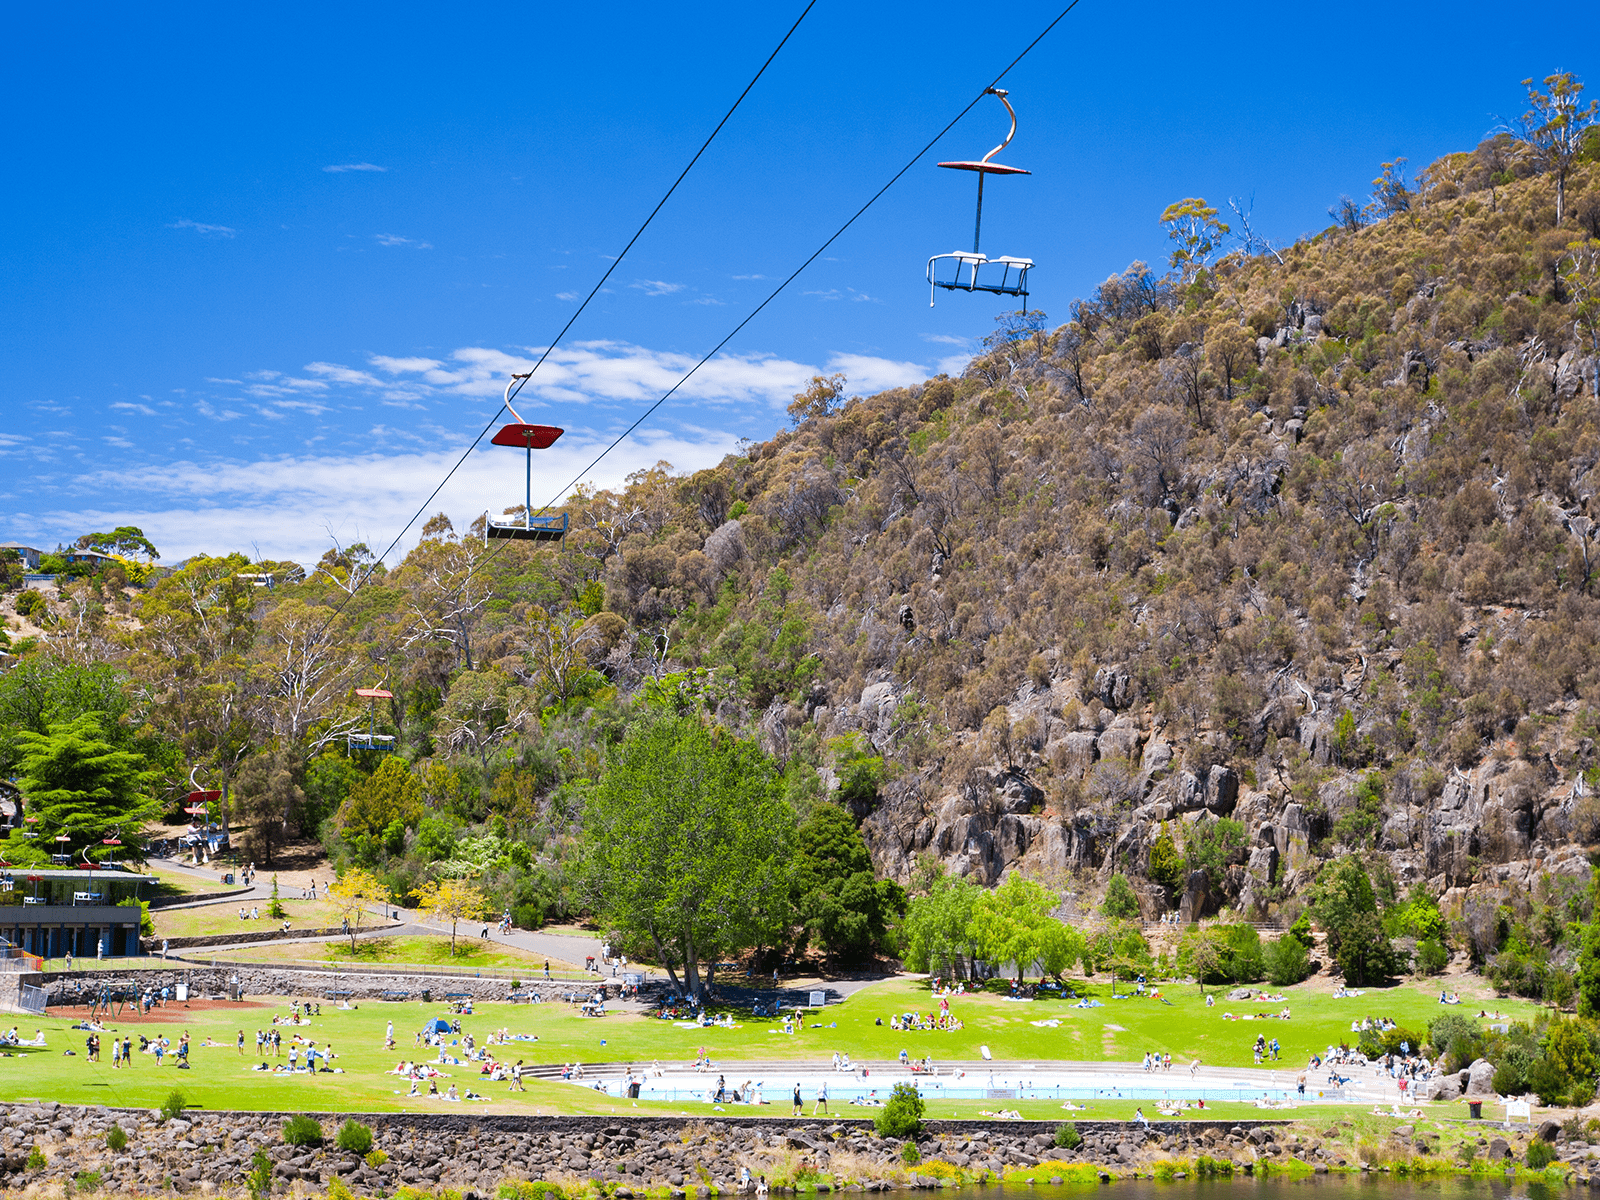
(339,168)
(280,478)
(292,507)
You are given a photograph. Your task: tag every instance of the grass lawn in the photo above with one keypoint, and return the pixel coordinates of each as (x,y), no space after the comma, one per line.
(1121,1031)
(224,919)
(408,950)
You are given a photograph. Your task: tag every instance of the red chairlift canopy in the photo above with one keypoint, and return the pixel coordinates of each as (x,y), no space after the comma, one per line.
(31,820)
(986,168)
(35,878)
(374,694)
(536,437)
(111,841)
(204,797)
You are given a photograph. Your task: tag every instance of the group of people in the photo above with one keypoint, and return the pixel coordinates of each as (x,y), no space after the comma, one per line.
(1263,1047)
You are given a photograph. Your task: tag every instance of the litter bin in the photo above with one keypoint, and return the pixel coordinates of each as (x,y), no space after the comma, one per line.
(427,995)
(633,1091)
(1475,1109)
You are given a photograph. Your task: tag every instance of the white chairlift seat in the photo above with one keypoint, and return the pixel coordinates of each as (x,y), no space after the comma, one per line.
(969,271)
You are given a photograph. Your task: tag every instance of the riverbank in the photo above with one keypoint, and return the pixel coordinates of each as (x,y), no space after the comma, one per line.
(44,1146)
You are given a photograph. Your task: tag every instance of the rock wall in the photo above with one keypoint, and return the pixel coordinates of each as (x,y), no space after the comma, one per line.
(64,987)
(473,1152)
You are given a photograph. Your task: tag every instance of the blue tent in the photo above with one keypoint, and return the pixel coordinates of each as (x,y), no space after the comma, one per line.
(437,1025)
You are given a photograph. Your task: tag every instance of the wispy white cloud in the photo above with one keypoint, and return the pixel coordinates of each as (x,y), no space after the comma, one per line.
(391,239)
(203,229)
(205,409)
(656,287)
(130,406)
(567,295)
(945,339)
(749,276)
(340,168)
(285,504)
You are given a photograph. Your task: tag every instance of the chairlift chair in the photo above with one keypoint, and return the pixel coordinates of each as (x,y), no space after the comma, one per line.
(530,438)
(959,271)
(371,739)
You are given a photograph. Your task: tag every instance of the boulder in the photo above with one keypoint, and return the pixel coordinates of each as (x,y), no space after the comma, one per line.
(1548,1130)
(1445,1087)
(1480,1079)
(1077,753)
(1498,1149)
(1241,993)
(1114,687)
(1122,741)
(1157,756)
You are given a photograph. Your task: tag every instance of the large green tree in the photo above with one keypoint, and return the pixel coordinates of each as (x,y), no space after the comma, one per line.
(1347,909)
(844,907)
(1016,923)
(83,789)
(937,933)
(686,844)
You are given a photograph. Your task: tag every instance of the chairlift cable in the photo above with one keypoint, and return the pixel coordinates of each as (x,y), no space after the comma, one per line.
(490,557)
(838,233)
(512,392)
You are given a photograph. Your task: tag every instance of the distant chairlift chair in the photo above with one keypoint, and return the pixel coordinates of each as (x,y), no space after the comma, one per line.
(959,271)
(371,739)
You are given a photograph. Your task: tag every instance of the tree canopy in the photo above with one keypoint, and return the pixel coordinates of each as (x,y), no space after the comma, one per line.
(82,790)
(686,843)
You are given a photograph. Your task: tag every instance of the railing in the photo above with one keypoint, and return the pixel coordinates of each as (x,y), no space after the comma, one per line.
(32,999)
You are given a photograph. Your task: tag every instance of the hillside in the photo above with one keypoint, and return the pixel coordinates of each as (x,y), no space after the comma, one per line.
(1298,539)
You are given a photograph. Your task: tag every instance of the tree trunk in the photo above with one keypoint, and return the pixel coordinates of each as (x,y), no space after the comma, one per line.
(666,961)
(691,970)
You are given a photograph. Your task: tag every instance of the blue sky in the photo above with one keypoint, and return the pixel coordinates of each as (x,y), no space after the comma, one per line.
(265,269)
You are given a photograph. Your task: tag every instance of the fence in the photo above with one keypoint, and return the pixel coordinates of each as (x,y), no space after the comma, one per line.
(31,999)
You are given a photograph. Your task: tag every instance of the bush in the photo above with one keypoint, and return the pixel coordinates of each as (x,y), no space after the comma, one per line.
(117,1138)
(1431,957)
(1288,961)
(1120,901)
(1540,1154)
(259,1181)
(354,1137)
(376,1159)
(36,1161)
(910,1155)
(301,1130)
(29,603)
(902,1115)
(87,1181)
(1067,1136)
(173,1105)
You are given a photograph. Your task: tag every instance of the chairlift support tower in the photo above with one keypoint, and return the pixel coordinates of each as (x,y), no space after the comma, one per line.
(1013,273)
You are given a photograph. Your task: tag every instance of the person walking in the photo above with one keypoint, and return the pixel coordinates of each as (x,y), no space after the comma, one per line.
(516,1078)
(822,1098)
(547,968)
(799,1104)
(241,1043)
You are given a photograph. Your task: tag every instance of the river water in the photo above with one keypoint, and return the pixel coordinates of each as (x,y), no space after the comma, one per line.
(1277,1187)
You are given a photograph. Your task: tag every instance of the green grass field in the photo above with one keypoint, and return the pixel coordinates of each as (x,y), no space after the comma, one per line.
(391,951)
(1120,1031)
(224,919)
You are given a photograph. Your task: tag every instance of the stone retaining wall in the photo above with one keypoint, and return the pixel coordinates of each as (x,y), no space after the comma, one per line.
(473,1152)
(68,987)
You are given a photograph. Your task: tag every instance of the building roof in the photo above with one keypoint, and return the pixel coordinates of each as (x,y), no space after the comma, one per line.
(100,875)
(19,546)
